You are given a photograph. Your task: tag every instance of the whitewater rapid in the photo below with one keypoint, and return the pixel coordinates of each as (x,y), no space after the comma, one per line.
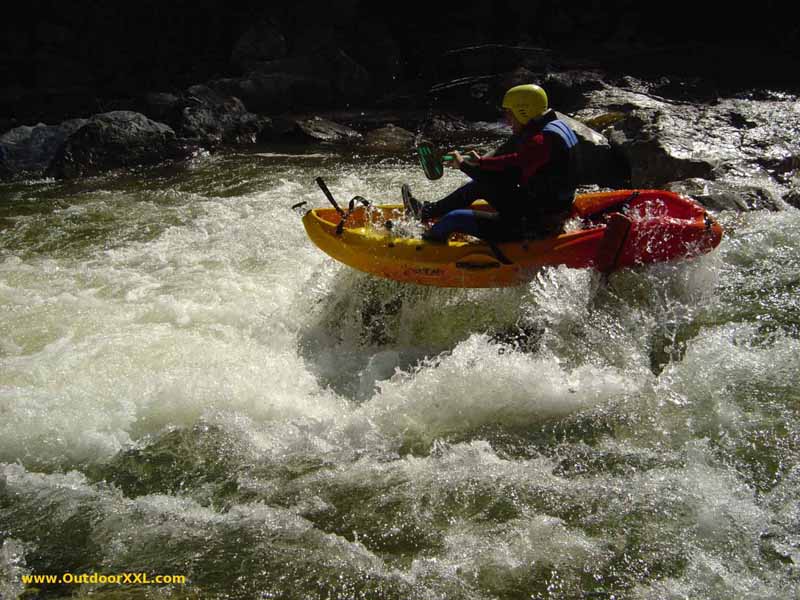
(188,385)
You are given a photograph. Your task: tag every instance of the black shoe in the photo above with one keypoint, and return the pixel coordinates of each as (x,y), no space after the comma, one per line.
(412,206)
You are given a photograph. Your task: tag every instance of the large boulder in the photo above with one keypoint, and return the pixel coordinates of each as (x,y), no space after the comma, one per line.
(599,163)
(27,151)
(657,150)
(206,116)
(212,118)
(112,140)
(735,142)
(566,90)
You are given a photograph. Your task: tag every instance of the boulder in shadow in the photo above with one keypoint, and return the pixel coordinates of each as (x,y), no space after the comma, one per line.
(27,151)
(113,140)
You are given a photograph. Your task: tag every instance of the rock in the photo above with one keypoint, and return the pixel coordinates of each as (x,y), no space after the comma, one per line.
(207,117)
(691,89)
(390,138)
(656,152)
(162,106)
(600,164)
(315,129)
(27,151)
(212,118)
(737,141)
(445,127)
(112,140)
(718,195)
(603,120)
(518,76)
(476,97)
(566,89)
(323,130)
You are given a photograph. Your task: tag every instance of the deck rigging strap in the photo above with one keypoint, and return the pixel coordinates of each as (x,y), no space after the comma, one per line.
(332,200)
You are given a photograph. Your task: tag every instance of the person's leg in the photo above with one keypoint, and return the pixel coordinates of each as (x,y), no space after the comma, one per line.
(463,197)
(489,226)
(489,187)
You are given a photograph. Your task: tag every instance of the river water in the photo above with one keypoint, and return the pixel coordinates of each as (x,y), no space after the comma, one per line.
(189,387)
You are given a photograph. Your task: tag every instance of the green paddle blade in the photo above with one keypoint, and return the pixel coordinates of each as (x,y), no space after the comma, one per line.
(430,160)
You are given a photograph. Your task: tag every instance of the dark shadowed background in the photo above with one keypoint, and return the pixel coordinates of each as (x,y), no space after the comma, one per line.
(64,59)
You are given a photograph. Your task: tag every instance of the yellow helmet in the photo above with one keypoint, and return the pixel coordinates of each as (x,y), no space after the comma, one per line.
(526,102)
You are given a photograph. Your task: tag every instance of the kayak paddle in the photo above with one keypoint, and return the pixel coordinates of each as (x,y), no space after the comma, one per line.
(431,159)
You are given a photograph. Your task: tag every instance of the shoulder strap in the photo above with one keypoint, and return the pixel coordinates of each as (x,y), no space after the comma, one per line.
(563,131)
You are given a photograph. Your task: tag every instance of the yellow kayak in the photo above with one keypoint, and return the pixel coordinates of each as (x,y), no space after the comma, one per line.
(619,229)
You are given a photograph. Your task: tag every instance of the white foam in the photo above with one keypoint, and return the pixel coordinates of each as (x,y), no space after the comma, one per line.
(477,385)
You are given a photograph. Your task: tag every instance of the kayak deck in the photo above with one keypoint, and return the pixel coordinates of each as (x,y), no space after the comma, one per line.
(618,229)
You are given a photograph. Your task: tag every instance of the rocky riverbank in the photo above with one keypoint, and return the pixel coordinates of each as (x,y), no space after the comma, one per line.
(709,118)
(741,152)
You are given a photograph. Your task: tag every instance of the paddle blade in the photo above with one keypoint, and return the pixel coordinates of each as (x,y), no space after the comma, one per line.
(430,160)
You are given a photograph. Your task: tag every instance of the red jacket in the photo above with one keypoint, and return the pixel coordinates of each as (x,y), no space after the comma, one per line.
(532,154)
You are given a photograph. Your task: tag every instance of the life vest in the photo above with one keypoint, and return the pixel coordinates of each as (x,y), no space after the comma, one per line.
(552,189)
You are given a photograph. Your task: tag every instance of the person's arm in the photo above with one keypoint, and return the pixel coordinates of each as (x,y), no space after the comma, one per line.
(467,164)
(529,159)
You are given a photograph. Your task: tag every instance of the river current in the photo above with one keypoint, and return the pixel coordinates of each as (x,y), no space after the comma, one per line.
(188,386)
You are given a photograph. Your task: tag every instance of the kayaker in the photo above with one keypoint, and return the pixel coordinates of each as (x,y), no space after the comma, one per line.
(529,180)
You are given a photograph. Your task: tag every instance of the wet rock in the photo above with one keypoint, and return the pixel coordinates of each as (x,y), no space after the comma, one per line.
(441,127)
(742,142)
(212,118)
(693,89)
(207,117)
(658,139)
(475,97)
(566,89)
(112,140)
(26,151)
(719,195)
(792,198)
(518,76)
(390,138)
(600,164)
(162,106)
(315,129)
(656,151)
(784,168)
